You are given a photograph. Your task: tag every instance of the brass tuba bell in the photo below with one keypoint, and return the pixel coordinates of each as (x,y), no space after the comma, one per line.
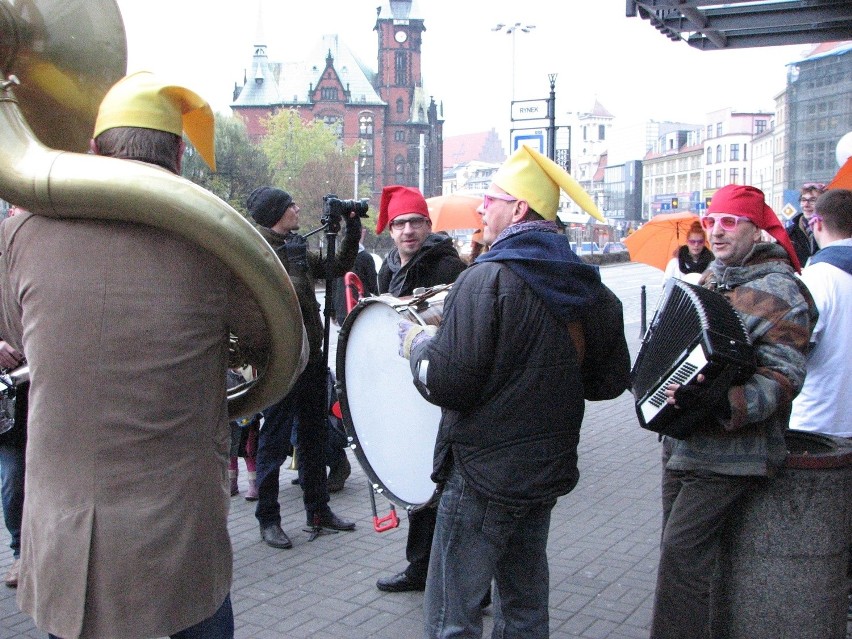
(58,59)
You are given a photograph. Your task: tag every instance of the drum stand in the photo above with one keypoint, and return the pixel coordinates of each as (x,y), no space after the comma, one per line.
(389,521)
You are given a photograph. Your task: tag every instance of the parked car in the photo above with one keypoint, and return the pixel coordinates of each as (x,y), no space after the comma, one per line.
(614,247)
(587,247)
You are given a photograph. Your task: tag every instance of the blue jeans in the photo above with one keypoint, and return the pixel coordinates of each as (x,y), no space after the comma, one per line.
(219,626)
(476,540)
(12,476)
(305,402)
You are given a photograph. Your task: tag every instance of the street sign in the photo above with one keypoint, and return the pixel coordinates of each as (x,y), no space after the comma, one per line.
(534,138)
(529,110)
(788,211)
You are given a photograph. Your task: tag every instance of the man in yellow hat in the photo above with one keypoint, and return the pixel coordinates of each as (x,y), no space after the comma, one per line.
(505,366)
(125,330)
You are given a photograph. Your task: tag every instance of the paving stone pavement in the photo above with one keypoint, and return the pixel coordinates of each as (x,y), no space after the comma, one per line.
(603,545)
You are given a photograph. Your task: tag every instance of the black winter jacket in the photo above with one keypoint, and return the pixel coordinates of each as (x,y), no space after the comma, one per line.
(802,240)
(437,262)
(506,373)
(304,268)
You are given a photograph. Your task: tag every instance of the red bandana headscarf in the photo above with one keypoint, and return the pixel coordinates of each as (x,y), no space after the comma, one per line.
(747,201)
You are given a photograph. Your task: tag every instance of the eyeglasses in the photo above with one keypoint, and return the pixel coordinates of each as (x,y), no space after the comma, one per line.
(727,222)
(488,198)
(813,220)
(695,242)
(416,223)
(807,200)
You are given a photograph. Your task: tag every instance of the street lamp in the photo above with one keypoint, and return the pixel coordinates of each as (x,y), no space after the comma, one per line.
(551,115)
(512,29)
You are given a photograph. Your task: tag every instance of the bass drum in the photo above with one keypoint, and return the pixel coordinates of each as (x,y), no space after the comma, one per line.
(392,429)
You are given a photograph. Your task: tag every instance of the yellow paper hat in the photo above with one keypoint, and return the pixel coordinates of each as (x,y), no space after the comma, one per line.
(142,100)
(530,176)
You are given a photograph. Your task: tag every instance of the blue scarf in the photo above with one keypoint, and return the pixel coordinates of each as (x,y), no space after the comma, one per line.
(542,257)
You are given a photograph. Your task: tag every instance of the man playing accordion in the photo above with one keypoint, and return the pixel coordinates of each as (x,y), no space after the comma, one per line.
(739,440)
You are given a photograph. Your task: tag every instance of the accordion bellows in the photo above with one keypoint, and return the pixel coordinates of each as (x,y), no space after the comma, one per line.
(694,331)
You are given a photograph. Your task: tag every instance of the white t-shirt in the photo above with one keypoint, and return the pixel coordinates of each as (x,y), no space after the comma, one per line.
(825,403)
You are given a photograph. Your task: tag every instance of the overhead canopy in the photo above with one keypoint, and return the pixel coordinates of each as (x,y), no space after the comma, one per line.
(737,24)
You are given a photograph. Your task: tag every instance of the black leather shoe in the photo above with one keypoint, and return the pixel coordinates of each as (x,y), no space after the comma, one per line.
(275,537)
(330,520)
(400,583)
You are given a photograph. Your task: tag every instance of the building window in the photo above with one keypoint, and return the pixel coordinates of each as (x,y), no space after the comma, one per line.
(718,178)
(719,153)
(399,136)
(734,176)
(365,135)
(365,126)
(709,131)
(400,106)
(735,152)
(399,169)
(708,183)
(719,130)
(328,93)
(745,152)
(335,123)
(709,155)
(601,132)
(760,126)
(400,67)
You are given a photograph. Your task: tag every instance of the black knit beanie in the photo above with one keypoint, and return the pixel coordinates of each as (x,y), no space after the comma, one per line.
(266,205)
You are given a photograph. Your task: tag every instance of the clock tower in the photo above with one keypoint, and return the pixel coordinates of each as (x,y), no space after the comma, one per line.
(410,111)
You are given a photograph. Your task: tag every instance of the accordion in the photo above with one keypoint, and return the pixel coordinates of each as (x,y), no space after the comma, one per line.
(694,331)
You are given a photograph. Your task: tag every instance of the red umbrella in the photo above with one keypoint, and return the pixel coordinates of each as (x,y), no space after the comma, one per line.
(455,211)
(655,243)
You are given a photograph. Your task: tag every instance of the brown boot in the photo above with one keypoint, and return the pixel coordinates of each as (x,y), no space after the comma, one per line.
(232,475)
(11,578)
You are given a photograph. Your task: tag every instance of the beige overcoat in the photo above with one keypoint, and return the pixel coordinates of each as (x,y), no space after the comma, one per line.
(125,328)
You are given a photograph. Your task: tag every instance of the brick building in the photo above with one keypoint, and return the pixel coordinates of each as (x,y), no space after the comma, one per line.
(387,111)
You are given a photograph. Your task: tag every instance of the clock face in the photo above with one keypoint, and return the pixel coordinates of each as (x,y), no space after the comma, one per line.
(400,36)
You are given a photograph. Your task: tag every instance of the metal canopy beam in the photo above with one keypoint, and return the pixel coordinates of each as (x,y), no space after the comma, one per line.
(712,24)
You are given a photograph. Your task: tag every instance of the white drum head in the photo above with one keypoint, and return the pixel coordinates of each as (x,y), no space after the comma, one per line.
(392,426)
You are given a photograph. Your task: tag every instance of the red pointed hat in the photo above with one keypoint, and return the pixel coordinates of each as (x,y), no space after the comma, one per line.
(747,201)
(400,200)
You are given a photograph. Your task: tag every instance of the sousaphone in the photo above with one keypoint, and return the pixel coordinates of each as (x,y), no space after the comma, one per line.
(58,59)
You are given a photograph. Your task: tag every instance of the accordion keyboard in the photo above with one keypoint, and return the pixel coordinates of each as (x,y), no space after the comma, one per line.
(684,373)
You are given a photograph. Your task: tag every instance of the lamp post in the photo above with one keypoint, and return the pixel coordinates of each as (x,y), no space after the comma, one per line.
(551,114)
(512,29)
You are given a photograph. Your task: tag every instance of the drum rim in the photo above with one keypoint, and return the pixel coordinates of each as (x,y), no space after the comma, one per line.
(376,484)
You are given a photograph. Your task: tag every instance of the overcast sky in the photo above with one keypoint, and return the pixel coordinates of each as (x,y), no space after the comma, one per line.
(597,52)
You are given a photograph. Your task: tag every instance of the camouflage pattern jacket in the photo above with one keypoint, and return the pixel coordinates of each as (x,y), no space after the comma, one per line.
(779,315)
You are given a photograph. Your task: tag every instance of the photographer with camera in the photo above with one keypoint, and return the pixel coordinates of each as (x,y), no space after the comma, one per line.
(277,216)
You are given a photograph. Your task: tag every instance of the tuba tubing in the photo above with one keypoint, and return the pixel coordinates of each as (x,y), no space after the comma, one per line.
(74,185)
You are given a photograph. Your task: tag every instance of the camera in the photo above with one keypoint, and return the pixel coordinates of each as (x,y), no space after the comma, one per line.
(334,209)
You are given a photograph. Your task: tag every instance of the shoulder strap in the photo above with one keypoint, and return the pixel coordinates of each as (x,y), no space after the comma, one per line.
(606,364)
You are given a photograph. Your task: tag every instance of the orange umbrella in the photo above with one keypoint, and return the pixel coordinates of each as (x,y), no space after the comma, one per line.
(455,211)
(843,178)
(655,243)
